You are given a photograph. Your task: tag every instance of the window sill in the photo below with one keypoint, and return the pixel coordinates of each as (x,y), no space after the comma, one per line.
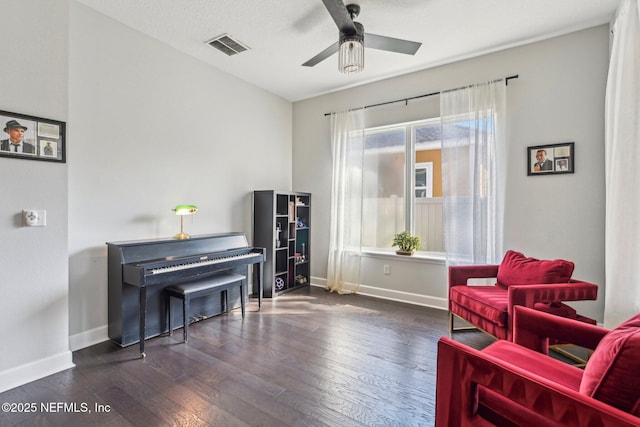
(428,257)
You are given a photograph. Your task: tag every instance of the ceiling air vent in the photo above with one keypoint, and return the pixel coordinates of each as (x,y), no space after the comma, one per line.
(226,44)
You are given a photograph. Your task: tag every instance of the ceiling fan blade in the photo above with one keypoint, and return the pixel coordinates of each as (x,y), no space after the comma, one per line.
(322,55)
(375,41)
(340,15)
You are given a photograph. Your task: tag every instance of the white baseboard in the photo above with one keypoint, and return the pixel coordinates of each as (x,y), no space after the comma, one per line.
(23,374)
(88,338)
(393,295)
(407,297)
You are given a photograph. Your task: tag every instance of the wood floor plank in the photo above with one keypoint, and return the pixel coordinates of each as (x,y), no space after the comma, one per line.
(308,358)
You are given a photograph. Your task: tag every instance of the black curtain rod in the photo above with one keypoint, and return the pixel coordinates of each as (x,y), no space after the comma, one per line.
(406,100)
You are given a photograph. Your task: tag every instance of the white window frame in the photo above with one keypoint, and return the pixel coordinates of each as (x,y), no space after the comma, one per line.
(410,178)
(428,187)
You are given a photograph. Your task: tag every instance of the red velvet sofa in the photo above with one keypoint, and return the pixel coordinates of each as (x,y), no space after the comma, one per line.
(518,384)
(519,280)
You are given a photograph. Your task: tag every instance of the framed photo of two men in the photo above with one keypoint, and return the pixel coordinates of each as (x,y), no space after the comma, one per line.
(550,159)
(31,138)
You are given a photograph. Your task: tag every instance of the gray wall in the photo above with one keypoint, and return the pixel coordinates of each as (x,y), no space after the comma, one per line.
(34,311)
(559,97)
(147,128)
(154,128)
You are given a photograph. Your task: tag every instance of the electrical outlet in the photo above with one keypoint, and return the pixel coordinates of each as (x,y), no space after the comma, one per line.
(386,269)
(34,217)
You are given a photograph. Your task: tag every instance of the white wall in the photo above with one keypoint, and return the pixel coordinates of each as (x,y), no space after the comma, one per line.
(147,128)
(34,311)
(559,97)
(155,128)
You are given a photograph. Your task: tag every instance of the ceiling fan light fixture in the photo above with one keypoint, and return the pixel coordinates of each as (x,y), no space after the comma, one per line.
(351,51)
(350,45)
(351,56)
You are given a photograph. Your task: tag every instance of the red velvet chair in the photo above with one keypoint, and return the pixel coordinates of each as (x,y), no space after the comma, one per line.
(518,384)
(529,282)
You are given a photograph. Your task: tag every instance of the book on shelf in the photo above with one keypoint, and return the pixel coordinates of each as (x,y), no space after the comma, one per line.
(292,212)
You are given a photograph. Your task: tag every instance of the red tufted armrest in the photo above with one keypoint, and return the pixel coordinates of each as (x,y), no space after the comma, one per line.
(460,274)
(527,295)
(533,328)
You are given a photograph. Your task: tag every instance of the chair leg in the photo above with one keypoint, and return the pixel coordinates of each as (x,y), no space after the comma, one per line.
(450,324)
(453,329)
(560,349)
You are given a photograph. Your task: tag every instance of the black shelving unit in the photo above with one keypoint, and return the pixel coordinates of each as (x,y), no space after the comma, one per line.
(281,225)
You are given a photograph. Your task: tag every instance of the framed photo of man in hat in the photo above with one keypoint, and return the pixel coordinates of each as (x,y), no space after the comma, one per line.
(31,138)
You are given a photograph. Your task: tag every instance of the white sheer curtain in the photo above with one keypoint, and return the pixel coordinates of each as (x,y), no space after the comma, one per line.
(347,148)
(473,146)
(622,162)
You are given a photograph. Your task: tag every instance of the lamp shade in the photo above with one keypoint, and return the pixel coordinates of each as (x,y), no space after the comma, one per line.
(351,51)
(185,209)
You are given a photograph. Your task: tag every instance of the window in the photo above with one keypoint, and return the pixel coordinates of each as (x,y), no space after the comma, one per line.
(402,184)
(424,180)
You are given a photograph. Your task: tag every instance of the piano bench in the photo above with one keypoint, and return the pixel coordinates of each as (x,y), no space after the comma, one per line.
(187,291)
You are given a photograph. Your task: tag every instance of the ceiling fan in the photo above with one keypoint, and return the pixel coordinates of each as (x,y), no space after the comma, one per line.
(350,45)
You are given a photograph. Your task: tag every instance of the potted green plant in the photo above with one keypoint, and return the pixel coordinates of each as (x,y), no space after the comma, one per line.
(407,244)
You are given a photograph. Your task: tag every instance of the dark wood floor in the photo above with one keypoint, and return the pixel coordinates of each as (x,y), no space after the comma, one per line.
(309,358)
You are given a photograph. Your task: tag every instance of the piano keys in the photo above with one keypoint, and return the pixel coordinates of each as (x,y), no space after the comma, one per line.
(170,269)
(140,270)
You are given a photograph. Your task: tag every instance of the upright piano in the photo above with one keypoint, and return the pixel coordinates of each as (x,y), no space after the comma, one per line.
(140,270)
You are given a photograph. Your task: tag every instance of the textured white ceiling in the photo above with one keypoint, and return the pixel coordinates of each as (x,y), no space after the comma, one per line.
(282,34)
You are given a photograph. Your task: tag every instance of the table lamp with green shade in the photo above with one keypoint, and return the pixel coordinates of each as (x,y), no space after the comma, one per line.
(183,210)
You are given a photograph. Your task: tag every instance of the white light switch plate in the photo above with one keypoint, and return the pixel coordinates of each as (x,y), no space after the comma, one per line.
(34,217)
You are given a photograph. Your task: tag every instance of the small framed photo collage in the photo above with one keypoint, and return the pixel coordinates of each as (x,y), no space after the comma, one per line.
(551,159)
(32,138)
